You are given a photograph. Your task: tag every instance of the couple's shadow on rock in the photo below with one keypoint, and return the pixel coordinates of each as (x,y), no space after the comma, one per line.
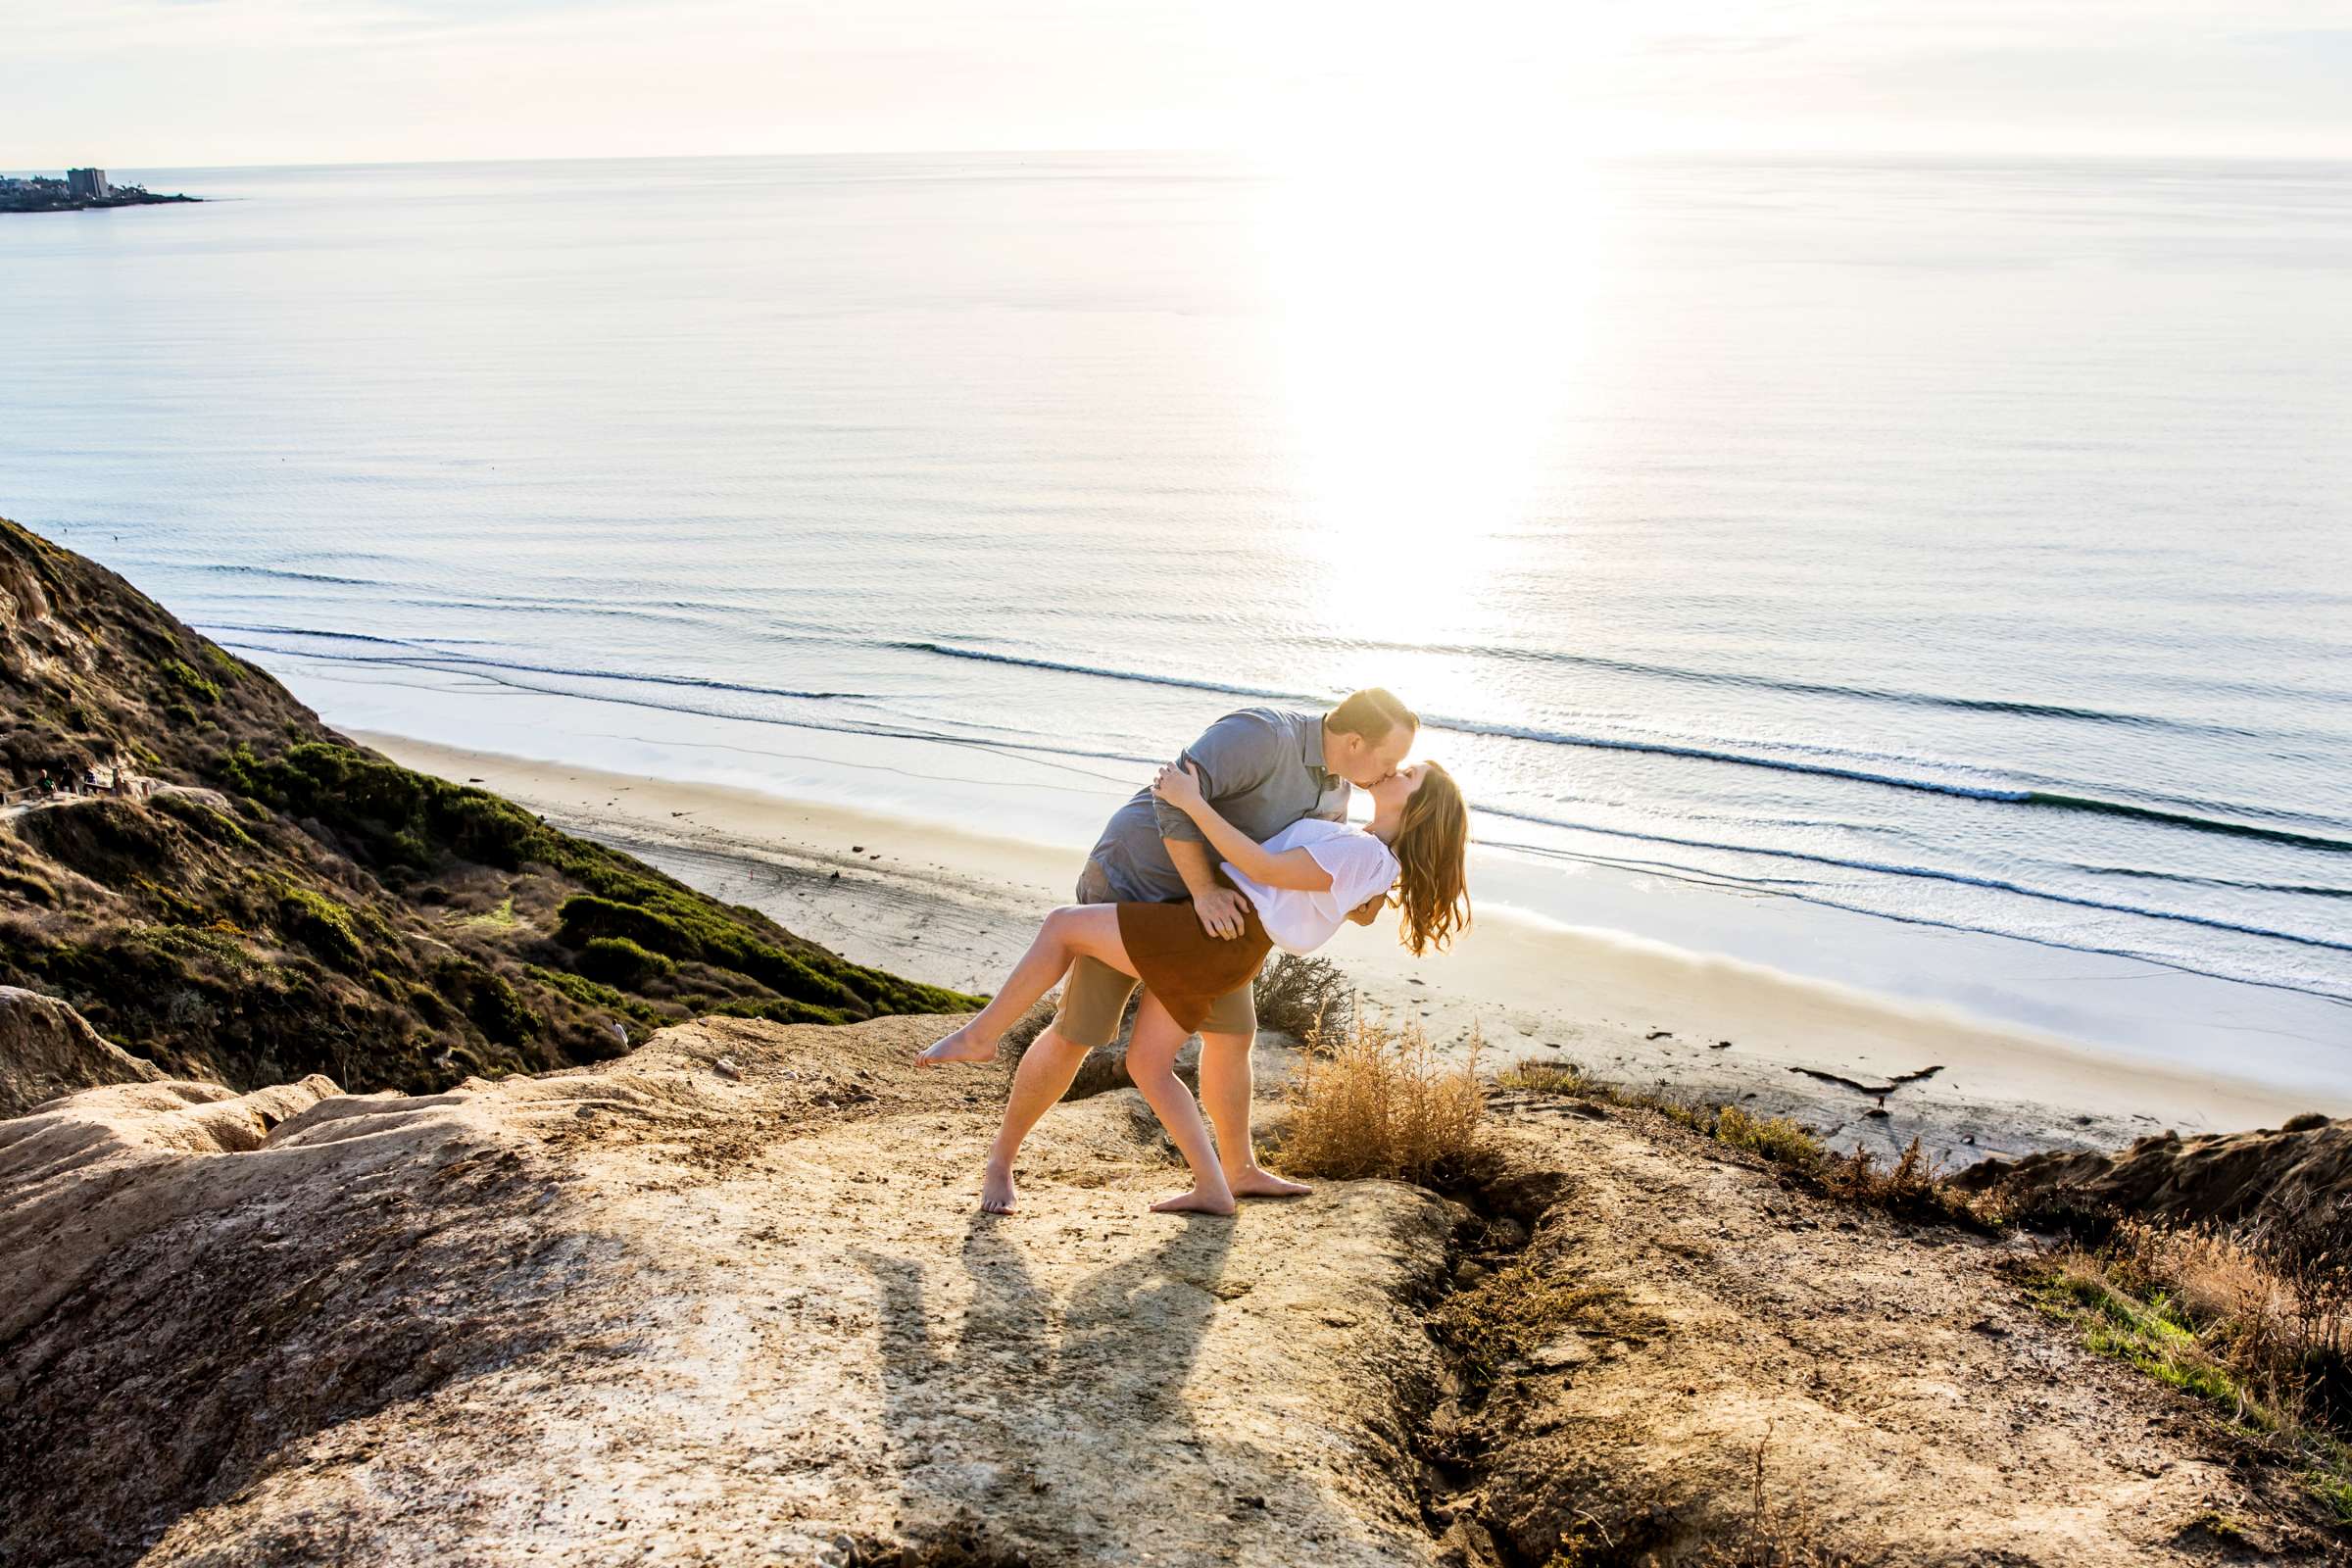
(1032,1403)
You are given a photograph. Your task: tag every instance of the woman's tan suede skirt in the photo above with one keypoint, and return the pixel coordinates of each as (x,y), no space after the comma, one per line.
(1183,966)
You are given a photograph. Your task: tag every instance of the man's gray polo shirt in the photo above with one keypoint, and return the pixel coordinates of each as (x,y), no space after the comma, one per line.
(1261,768)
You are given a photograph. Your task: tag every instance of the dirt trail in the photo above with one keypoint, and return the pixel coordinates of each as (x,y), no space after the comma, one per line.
(136,787)
(725,1301)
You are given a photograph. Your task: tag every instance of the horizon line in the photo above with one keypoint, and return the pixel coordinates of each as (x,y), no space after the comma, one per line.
(1247,155)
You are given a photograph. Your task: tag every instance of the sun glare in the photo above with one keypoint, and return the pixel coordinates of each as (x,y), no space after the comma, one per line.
(1432,310)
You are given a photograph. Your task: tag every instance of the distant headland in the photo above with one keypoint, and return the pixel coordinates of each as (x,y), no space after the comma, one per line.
(80,189)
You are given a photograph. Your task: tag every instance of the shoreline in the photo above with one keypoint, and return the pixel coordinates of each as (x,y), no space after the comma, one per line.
(953,907)
(2118,1005)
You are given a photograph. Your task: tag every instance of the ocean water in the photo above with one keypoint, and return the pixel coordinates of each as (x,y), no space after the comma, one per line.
(1963,547)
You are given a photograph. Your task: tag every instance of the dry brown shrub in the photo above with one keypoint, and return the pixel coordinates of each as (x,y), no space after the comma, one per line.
(1379,1100)
(1027,1028)
(1306,997)
(2252,1318)
(2263,1302)
(2209,1273)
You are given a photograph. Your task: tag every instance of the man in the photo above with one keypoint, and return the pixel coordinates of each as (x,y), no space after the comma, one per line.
(1262,768)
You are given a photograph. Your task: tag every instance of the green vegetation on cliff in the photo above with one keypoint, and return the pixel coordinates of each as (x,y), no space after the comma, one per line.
(286,902)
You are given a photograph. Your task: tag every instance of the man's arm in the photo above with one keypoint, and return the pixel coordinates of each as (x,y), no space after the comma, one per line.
(1234,753)
(1368,911)
(1180,787)
(1234,756)
(1220,908)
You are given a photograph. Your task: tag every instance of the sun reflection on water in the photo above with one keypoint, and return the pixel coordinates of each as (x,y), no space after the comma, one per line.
(1434,315)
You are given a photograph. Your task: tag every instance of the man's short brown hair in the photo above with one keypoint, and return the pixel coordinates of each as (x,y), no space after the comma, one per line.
(1373,712)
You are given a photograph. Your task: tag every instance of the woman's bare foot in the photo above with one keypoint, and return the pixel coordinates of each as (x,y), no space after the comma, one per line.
(1253,1182)
(961,1046)
(996,1192)
(1194,1201)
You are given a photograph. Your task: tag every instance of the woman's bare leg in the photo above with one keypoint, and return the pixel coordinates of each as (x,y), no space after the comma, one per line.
(1077,931)
(1151,1064)
(1226,1090)
(1047,1068)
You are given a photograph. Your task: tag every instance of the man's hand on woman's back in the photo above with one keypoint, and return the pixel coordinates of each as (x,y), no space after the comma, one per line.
(1223,911)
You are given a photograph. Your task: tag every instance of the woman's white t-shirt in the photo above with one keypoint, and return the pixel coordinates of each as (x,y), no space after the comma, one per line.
(1299,921)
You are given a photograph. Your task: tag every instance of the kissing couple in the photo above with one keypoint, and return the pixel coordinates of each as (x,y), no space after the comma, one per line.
(1240,845)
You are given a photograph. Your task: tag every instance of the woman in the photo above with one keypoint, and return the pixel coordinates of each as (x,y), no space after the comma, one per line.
(1300,884)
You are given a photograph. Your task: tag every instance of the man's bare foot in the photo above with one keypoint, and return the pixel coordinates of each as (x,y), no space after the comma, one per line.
(961,1046)
(1194,1201)
(996,1192)
(1253,1182)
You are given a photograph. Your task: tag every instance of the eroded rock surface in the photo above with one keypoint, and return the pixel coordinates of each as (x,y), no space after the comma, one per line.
(48,1049)
(652,1311)
(2285,1174)
(726,1301)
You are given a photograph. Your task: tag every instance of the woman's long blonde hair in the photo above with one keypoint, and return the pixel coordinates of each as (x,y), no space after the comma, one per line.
(1431,844)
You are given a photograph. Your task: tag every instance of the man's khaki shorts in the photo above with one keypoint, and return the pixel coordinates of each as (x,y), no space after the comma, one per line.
(1094,995)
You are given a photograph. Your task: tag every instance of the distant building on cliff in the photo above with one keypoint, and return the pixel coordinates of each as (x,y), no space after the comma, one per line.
(80,189)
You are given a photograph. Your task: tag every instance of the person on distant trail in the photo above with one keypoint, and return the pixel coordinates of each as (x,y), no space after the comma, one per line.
(1266,790)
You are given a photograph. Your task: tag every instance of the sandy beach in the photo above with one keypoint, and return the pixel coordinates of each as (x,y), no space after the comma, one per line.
(953,906)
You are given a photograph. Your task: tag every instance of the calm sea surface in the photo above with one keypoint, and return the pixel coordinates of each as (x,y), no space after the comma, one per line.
(1969,545)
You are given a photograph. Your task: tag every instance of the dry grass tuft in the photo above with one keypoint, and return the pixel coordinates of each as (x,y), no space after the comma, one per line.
(2271,1306)
(1377,1100)
(1912,1188)
(1774,1138)
(1551,1078)
(1515,1311)
(1775,1535)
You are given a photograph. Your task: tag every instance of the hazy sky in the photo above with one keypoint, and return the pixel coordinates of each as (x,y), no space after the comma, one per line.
(178,82)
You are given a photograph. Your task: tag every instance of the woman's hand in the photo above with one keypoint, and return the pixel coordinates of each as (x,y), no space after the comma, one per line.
(1179,784)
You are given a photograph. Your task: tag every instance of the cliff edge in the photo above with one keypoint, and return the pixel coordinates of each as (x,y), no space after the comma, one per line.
(726,1301)
(2298,1175)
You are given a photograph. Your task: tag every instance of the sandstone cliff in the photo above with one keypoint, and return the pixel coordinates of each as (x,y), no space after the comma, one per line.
(2286,1175)
(261,899)
(48,1049)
